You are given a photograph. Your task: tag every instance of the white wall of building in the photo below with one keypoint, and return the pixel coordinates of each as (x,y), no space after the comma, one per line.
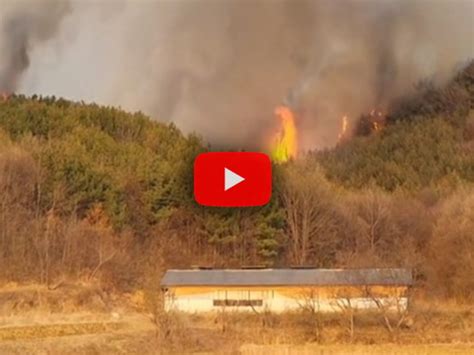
(273,301)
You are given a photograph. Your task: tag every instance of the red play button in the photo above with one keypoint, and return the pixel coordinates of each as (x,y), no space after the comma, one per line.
(232,179)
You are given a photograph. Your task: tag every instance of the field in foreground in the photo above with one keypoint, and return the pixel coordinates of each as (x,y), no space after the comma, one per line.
(126,345)
(86,319)
(388,349)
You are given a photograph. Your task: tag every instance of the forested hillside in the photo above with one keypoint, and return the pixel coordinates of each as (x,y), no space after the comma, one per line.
(95,192)
(426,139)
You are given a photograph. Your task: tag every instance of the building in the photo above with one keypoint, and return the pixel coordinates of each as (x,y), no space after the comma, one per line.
(279,290)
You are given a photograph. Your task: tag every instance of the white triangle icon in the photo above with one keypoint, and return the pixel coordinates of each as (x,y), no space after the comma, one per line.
(231,179)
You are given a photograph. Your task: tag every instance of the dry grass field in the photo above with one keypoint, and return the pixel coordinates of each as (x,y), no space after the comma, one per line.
(386,349)
(83,319)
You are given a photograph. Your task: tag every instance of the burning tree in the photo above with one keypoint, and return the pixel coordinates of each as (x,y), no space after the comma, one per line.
(285,142)
(343,133)
(369,123)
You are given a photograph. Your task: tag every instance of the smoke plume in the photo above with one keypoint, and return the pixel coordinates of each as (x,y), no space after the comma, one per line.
(219,68)
(24,25)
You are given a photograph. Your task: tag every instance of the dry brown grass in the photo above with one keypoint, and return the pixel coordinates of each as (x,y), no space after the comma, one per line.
(71,319)
(387,349)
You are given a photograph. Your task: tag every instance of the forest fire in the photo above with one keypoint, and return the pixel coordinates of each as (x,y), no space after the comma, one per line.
(372,122)
(4,96)
(343,133)
(285,142)
(378,120)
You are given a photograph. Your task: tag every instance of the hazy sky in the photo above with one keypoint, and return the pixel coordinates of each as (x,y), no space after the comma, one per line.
(220,67)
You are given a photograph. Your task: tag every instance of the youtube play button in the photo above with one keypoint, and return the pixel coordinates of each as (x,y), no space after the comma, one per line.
(232,179)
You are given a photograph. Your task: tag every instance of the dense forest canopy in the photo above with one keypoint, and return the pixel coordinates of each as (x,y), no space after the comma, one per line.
(96,191)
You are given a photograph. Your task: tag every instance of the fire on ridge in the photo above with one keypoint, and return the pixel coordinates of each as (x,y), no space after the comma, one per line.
(284,145)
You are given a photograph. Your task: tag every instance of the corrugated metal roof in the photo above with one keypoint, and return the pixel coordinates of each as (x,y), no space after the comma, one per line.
(282,277)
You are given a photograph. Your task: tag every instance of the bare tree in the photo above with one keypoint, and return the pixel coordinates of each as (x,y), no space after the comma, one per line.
(18,182)
(310,214)
(373,210)
(308,300)
(344,304)
(393,308)
(107,246)
(451,251)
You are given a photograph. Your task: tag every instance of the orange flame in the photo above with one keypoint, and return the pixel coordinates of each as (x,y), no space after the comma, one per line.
(377,127)
(378,120)
(285,143)
(343,132)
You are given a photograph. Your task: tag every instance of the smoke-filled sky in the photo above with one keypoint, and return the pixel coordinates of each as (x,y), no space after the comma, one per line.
(219,67)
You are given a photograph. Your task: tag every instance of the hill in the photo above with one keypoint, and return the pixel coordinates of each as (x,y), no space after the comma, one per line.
(426,139)
(96,192)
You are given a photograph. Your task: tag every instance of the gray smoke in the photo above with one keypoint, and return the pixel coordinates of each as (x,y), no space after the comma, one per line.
(24,25)
(219,67)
